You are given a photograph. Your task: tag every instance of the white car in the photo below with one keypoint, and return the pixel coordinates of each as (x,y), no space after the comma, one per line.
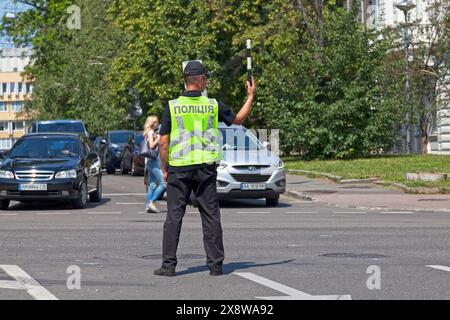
(248,169)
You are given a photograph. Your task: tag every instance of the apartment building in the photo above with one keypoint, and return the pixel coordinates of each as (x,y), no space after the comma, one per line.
(380,14)
(14,91)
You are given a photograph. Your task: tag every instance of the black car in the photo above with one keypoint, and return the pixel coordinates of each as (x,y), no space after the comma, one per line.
(51,166)
(112,149)
(132,161)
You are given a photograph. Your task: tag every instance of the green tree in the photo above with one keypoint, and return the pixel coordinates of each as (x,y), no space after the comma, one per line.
(323,80)
(70,67)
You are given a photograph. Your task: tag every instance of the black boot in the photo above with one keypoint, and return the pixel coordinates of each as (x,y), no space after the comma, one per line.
(215,271)
(167,272)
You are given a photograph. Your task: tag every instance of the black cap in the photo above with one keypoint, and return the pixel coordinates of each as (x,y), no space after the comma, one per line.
(195,68)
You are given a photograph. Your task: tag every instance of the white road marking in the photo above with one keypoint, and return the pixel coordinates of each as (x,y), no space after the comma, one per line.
(124,194)
(52,213)
(104,212)
(437,267)
(253,212)
(291,293)
(350,212)
(7,284)
(301,212)
(394,212)
(26,282)
(129,203)
(9,214)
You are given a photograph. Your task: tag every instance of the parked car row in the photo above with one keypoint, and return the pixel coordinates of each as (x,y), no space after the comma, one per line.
(60,160)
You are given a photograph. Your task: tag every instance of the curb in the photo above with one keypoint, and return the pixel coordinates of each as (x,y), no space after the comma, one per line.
(402,187)
(299,195)
(304,196)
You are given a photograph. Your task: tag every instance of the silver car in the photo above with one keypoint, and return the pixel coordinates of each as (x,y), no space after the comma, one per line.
(248,169)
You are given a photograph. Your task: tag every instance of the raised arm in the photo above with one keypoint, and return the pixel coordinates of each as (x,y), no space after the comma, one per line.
(245,110)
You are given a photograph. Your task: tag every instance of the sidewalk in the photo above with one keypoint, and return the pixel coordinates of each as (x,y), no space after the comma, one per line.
(364,196)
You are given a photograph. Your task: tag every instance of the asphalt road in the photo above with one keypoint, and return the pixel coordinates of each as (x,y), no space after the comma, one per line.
(301,249)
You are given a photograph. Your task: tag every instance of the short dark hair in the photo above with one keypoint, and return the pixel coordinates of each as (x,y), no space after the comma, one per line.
(193,79)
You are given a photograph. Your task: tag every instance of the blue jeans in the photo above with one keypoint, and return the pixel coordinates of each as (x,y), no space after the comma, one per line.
(156,183)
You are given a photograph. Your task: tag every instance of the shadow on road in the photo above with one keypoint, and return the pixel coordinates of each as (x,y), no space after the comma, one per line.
(248,203)
(231,267)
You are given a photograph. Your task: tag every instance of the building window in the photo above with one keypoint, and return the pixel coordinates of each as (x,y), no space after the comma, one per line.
(20,87)
(3,126)
(6,143)
(3,106)
(4,87)
(17,106)
(12,87)
(18,126)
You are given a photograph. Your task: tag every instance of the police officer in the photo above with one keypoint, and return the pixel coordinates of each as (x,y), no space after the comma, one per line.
(190,152)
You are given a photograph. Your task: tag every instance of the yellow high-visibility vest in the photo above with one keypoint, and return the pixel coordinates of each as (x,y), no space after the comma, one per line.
(194,135)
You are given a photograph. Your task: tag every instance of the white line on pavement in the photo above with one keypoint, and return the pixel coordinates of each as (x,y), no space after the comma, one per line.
(52,213)
(7,284)
(350,212)
(253,212)
(33,288)
(8,214)
(129,203)
(301,212)
(292,294)
(443,268)
(104,212)
(394,212)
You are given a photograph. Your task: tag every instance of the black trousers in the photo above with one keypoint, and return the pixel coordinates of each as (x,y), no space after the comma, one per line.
(203,183)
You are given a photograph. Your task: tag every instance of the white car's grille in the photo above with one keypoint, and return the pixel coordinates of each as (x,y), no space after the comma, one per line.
(34,175)
(250,177)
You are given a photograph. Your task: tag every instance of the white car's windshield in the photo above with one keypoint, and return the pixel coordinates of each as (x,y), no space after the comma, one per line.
(239,139)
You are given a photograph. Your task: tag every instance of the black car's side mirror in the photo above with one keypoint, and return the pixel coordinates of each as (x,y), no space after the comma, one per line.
(3,155)
(92,137)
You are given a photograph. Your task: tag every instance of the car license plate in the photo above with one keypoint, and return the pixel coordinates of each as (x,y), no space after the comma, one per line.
(33,187)
(253,186)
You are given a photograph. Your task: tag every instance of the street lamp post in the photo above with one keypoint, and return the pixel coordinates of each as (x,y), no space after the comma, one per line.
(406,6)
(136,110)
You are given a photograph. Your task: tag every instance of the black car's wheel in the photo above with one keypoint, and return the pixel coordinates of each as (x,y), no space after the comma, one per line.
(272,202)
(123,170)
(109,167)
(80,202)
(133,169)
(96,196)
(4,204)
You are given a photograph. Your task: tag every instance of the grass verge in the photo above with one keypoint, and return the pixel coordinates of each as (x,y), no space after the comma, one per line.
(386,168)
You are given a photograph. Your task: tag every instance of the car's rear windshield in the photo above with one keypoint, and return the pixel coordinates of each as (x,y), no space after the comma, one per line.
(75,127)
(45,147)
(239,139)
(120,137)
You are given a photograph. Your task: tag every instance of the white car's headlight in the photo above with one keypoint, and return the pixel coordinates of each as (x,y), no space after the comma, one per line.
(4,174)
(280,164)
(222,166)
(69,174)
